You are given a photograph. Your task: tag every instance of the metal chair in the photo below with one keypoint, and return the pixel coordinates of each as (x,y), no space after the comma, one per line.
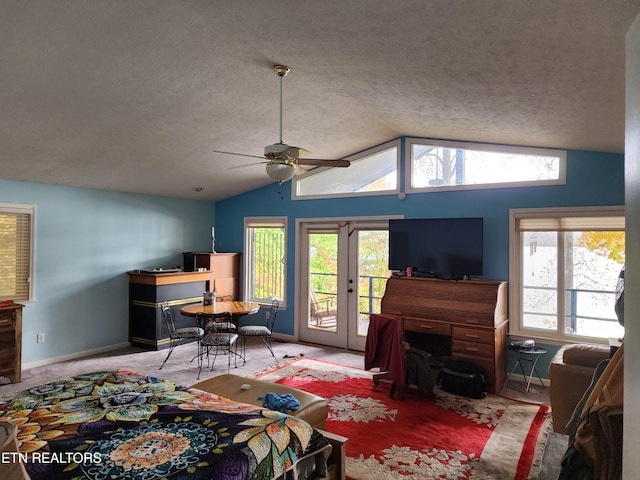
(217,338)
(223,327)
(262,331)
(177,335)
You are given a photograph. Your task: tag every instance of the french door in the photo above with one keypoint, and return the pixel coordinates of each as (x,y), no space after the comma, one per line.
(342,276)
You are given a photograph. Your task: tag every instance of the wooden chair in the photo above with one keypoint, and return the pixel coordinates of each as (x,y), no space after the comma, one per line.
(177,335)
(322,310)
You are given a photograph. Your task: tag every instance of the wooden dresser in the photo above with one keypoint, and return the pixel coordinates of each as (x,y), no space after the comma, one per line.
(11,342)
(465,319)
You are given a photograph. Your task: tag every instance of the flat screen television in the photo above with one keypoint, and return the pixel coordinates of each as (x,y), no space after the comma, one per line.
(437,247)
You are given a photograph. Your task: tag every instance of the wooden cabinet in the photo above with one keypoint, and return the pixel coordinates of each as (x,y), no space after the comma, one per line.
(465,319)
(148,291)
(224,269)
(11,342)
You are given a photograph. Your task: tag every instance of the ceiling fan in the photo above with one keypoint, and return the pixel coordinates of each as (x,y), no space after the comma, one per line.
(282,159)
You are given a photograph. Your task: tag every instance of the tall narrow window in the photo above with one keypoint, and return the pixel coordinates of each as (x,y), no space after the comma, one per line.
(565,268)
(16,227)
(265,259)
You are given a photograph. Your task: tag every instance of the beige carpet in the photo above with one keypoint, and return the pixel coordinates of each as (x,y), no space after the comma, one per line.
(179,368)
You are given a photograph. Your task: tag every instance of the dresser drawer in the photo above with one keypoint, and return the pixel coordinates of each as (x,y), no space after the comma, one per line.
(11,342)
(473,335)
(7,316)
(7,324)
(472,348)
(427,326)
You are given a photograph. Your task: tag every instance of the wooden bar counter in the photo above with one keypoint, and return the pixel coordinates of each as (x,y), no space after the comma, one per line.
(147,293)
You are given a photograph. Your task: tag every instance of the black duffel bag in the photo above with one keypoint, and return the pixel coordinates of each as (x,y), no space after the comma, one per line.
(462,377)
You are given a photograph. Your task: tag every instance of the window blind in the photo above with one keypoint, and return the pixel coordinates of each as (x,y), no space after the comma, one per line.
(570,224)
(15,255)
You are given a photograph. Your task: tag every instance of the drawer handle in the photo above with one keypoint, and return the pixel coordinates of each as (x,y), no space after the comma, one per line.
(426,327)
(472,335)
(472,349)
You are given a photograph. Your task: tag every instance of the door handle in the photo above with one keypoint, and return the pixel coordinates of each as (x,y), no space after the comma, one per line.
(350,290)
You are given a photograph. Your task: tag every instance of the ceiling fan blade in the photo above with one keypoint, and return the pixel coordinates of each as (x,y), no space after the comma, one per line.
(247,165)
(238,154)
(323,163)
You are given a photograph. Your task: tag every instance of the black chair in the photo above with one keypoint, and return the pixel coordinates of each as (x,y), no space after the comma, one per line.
(262,331)
(217,338)
(224,327)
(177,335)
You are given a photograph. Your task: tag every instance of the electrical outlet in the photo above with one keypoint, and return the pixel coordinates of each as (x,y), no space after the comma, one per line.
(41,337)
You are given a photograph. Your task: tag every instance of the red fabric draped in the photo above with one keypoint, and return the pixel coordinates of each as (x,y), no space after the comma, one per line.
(384,349)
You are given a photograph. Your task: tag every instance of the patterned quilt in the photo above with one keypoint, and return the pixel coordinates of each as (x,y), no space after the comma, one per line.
(119,424)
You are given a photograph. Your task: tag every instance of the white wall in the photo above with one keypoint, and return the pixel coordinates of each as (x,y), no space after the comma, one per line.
(631,462)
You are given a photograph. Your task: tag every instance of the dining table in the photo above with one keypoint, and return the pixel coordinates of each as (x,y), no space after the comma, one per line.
(236,308)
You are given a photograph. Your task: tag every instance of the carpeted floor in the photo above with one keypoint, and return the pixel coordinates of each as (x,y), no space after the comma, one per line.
(424,434)
(179,368)
(182,371)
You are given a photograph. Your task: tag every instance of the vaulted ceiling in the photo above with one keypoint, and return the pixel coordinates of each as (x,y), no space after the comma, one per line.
(135,95)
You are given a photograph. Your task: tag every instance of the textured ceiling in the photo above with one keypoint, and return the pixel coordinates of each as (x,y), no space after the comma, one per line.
(134,95)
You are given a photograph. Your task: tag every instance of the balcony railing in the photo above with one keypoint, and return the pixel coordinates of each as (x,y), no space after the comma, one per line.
(572,317)
(371,296)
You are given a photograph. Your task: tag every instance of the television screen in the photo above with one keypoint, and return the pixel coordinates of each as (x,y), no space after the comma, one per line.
(439,247)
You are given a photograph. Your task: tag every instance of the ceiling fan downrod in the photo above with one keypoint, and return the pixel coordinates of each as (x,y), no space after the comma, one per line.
(281,71)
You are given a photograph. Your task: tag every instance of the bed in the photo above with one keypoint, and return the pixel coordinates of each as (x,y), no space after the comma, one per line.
(120,424)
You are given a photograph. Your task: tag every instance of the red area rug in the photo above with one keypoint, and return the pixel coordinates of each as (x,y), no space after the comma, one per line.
(422,436)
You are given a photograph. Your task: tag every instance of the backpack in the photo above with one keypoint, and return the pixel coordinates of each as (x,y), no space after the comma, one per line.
(462,377)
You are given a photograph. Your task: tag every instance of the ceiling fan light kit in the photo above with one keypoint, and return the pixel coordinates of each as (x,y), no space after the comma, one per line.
(281,172)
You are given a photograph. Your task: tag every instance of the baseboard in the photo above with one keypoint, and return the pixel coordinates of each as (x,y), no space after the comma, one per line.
(73,356)
(281,337)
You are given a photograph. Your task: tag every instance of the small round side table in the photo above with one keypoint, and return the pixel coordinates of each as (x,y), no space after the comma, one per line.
(530,355)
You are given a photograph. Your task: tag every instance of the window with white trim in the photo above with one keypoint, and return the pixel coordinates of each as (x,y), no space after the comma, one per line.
(16,252)
(564,268)
(372,172)
(265,259)
(443,165)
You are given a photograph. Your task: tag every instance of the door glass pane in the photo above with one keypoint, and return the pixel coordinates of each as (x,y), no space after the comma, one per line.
(373,258)
(323,281)
(540,280)
(593,262)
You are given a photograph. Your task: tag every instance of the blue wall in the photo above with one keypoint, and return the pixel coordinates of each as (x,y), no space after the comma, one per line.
(85,242)
(592,179)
